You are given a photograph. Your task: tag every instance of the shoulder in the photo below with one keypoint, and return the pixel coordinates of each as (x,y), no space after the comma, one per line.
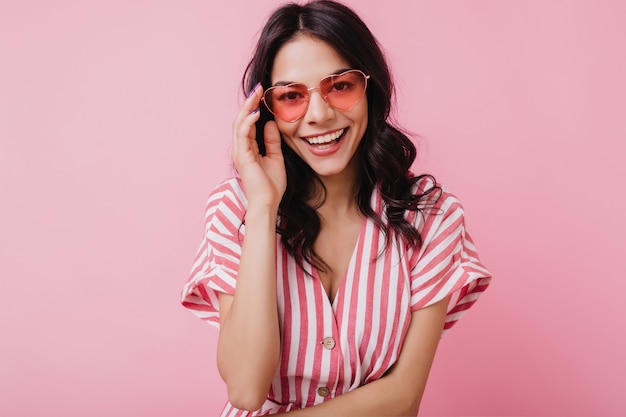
(436,202)
(229,190)
(427,198)
(227,198)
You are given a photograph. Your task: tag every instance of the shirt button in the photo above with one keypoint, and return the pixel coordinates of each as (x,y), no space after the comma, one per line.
(323,391)
(328,343)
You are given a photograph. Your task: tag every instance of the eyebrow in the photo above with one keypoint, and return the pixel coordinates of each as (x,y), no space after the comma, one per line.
(283,83)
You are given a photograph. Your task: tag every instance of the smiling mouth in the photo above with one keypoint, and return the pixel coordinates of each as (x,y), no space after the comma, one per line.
(326,139)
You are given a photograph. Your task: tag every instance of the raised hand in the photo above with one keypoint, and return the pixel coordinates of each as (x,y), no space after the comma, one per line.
(264,178)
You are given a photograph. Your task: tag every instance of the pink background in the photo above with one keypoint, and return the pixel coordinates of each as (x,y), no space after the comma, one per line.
(115,124)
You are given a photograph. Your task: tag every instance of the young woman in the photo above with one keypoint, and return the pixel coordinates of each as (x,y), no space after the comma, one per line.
(329,267)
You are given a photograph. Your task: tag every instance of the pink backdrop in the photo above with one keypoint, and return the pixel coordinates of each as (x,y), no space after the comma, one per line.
(115,124)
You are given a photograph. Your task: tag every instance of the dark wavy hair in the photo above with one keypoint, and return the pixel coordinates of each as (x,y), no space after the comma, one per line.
(385,152)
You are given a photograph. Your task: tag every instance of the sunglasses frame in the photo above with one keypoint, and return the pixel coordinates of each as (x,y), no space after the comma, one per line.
(318,87)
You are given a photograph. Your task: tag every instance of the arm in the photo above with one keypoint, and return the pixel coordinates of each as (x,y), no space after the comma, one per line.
(249,341)
(248,348)
(400,391)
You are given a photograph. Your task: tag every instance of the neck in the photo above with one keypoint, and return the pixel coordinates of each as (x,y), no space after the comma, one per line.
(341,190)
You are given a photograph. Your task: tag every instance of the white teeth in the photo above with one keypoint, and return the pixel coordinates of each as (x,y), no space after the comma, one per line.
(318,140)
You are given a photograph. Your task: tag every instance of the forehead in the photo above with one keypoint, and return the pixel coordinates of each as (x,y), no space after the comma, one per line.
(306,60)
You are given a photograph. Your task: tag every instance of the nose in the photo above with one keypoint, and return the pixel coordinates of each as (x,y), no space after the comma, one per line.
(318,110)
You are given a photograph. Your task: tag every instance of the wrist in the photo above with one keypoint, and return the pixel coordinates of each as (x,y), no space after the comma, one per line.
(260,214)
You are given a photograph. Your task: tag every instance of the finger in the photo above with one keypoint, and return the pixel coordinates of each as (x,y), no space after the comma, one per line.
(272,139)
(243,125)
(251,103)
(253,144)
(245,135)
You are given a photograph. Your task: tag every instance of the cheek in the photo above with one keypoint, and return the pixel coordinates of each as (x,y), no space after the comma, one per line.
(365,111)
(287,131)
(361,120)
(359,114)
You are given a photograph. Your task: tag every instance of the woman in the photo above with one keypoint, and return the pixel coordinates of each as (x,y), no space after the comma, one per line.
(330,269)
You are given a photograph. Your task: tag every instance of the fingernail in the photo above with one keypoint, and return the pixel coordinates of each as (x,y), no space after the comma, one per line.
(255,111)
(256,87)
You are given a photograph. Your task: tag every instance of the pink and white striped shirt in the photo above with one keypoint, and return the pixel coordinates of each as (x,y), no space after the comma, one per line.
(331,348)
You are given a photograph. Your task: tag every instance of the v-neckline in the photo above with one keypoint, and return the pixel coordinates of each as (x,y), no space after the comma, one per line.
(340,289)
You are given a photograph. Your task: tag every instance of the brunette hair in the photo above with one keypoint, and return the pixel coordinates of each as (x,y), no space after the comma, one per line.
(385,152)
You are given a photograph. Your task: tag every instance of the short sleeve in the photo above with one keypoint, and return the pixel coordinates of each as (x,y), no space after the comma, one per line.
(447,263)
(216,263)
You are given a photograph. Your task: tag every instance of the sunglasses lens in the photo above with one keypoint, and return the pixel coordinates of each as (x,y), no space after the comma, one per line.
(287,102)
(344,91)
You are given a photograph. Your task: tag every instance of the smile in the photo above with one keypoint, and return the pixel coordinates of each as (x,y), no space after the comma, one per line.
(325,139)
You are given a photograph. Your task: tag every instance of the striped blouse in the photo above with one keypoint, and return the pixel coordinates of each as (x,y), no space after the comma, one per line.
(331,348)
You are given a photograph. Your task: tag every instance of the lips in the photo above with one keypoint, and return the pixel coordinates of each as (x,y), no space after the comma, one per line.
(324,139)
(325,144)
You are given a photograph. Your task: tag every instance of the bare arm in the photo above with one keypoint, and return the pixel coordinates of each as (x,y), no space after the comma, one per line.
(399,392)
(248,347)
